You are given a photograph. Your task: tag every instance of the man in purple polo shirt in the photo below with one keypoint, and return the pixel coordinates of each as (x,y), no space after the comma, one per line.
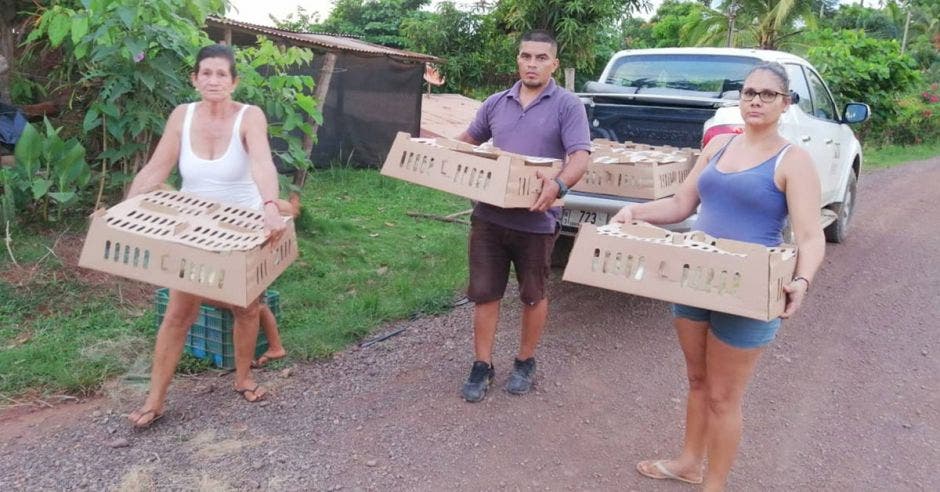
(535,117)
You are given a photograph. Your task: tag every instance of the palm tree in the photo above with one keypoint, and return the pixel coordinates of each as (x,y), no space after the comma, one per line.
(762,24)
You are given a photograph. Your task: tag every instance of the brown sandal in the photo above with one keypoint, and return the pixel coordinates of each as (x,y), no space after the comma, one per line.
(258,395)
(264,360)
(154,416)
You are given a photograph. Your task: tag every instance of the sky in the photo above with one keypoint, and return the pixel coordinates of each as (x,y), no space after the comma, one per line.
(256,11)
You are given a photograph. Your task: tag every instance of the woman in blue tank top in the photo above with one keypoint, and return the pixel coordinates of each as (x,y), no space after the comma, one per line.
(747,185)
(225,146)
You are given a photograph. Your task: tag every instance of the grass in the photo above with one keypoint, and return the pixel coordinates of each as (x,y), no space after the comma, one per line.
(892,155)
(363,262)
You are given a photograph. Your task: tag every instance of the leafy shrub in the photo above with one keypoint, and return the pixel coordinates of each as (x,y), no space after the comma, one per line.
(265,81)
(47,169)
(861,68)
(917,120)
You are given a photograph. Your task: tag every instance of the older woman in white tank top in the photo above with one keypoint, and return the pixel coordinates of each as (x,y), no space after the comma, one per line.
(222,150)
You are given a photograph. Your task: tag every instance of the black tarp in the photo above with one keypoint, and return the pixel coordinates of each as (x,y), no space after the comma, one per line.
(371,97)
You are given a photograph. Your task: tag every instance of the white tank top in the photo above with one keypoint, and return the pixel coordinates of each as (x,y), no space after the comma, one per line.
(226,179)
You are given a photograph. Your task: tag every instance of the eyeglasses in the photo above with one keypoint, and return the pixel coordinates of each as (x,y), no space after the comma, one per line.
(768,96)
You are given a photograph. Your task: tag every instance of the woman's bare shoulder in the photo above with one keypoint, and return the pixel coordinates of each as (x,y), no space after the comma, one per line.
(254,114)
(716,143)
(797,156)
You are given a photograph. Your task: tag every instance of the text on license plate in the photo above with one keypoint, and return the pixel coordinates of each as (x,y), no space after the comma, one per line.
(570,217)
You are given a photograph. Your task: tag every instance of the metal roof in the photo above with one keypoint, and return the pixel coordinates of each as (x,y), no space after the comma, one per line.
(323,42)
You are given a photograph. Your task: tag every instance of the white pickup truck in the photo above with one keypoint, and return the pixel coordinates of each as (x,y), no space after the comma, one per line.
(685,96)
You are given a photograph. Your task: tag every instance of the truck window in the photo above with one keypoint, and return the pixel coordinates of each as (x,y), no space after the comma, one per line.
(822,101)
(798,85)
(700,75)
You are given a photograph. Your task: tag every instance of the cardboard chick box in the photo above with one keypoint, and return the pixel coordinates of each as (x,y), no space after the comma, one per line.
(176,240)
(629,171)
(693,268)
(482,173)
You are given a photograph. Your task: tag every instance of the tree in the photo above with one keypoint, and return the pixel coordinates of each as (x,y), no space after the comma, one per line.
(764,24)
(298,21)
(669,23)
(575,23)
(376,21)
(861,68)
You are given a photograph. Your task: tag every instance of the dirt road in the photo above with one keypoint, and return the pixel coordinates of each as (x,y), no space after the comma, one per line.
(847,398)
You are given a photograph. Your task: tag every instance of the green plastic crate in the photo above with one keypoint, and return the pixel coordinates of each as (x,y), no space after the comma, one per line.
(210,337)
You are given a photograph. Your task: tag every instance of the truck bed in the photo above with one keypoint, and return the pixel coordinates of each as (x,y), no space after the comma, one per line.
(652,124)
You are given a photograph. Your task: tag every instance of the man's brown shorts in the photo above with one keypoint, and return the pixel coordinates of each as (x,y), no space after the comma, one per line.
(492,248)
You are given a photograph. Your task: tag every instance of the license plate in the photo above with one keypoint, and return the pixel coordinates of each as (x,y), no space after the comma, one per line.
(574,218)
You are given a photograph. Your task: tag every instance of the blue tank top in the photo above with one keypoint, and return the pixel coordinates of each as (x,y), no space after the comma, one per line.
(743,206)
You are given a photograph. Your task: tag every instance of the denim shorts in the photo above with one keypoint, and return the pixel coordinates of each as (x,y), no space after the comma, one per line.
(737,331)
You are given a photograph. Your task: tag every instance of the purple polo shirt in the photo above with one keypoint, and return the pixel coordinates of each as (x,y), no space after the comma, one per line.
(553,125)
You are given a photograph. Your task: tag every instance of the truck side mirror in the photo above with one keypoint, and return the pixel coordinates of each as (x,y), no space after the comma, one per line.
(856,113)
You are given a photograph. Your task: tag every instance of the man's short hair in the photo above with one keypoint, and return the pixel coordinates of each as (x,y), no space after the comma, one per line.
(540,36)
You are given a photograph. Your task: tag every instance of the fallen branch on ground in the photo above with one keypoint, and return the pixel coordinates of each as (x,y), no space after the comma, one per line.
(442,218)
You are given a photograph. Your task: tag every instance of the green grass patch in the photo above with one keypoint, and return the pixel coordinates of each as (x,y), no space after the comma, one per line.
(892,155)
(363,262)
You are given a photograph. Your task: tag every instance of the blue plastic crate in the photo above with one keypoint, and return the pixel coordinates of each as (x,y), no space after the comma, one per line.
(210,337)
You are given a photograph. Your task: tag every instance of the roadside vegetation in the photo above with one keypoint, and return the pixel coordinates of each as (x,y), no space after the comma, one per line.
(892,155)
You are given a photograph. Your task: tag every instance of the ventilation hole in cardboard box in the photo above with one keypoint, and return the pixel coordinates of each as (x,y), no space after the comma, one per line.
(604,265)
(136,257)
(117,252)
(709,279)
(221,278)
(473,176)
(182,272)
(640,268)
(489,177)
(146,263)
(596,259)
(127,254)
(684,281)
(735,283)
(618,263)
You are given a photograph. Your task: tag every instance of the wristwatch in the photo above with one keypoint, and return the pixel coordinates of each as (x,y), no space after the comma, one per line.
(562,188)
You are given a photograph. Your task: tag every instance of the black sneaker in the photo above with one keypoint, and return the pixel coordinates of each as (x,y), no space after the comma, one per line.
(474,390)
(523,372)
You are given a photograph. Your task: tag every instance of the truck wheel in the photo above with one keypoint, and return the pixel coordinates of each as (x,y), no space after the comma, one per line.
(839,229)
(561,251)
